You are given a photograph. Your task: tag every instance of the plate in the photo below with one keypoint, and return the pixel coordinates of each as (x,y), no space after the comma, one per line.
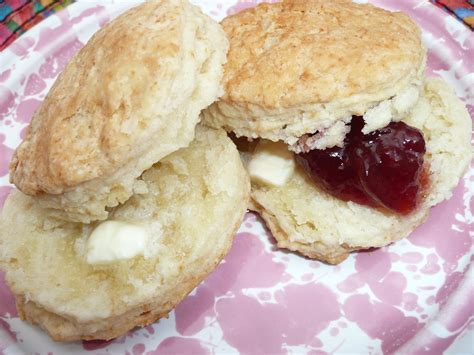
(414,296)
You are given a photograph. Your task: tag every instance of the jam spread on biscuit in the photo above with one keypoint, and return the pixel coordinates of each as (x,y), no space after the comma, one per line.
(382,169)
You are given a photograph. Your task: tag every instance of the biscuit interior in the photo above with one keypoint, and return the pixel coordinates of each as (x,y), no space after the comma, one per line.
(194,202)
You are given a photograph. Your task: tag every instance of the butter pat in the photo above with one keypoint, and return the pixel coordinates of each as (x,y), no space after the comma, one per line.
(271,164)
(112,241)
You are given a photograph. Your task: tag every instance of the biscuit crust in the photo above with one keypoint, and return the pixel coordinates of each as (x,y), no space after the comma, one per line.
(306,219)
(128,98)
(195,201)
(296,67)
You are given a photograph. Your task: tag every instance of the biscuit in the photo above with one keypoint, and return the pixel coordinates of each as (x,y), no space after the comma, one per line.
(304,218)
(195,201)
(127,99)
(298,67)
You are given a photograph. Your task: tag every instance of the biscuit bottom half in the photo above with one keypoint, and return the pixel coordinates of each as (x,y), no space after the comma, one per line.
(306,219)
(194,201)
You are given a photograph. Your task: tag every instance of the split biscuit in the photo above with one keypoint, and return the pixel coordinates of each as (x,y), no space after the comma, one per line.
(195,201)
(297,73)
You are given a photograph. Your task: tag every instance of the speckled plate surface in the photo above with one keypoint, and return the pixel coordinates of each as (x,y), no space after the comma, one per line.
(415,296)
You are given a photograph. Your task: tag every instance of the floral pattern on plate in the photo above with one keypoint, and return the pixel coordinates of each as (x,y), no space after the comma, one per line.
(415,296)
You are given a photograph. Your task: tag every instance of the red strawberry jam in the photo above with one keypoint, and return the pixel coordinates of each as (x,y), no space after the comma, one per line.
(379,169)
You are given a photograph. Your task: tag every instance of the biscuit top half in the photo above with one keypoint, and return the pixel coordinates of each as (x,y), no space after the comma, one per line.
(133,89)
(300,52)
(294,54)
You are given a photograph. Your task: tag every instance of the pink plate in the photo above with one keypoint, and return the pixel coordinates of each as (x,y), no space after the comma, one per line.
(415,296)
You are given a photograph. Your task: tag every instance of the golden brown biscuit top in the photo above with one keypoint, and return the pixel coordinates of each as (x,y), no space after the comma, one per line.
(316,51)
(99,113)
